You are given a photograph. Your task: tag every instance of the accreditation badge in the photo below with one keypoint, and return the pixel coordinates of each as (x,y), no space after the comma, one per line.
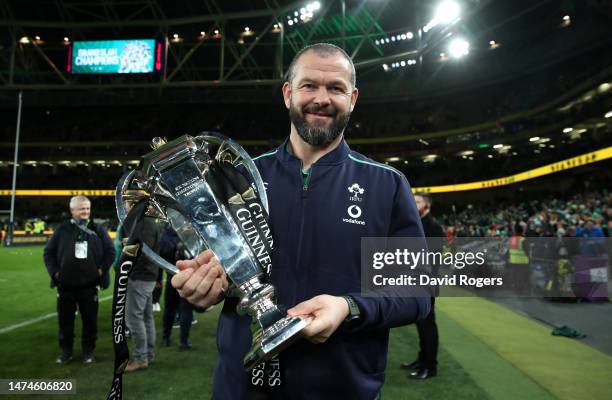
(80,250)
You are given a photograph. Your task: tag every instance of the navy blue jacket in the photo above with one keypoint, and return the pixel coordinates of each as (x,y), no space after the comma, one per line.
(317,230)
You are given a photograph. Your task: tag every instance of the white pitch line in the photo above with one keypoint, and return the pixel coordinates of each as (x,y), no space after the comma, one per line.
(37,319)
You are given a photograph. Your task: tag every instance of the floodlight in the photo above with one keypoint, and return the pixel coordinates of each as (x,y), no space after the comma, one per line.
(458,48)
(447,12)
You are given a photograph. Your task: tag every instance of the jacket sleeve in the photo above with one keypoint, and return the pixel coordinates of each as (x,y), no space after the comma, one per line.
(108,249)
(389,308)
(50,256)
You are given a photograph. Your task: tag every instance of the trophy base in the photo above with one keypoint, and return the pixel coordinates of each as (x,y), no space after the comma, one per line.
(273,339)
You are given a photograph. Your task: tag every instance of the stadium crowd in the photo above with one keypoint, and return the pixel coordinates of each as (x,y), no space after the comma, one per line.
(588,213)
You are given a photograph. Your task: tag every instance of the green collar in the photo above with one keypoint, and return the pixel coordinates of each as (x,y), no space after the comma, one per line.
(306,175)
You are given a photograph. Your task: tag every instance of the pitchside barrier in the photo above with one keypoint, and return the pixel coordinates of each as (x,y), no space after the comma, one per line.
(21,238)
(564,165)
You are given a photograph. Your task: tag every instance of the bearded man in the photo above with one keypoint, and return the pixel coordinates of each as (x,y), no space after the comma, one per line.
(323,199)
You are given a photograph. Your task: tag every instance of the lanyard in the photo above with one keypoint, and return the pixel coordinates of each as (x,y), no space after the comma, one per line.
(129,257)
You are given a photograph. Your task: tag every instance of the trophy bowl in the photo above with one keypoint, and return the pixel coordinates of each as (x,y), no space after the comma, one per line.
(208,189)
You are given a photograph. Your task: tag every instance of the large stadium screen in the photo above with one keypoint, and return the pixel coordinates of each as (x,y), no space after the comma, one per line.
(136,56)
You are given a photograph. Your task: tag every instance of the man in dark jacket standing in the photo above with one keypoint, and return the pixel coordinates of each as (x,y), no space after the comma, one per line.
(78,257)
(426,364)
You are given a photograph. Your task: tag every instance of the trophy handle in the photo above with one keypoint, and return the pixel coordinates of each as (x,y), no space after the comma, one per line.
(121,198)
(120,195)
(229,147)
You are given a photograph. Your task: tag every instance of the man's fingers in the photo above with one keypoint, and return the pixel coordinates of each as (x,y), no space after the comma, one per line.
(204,257)
(200,281)
(327,312)
(199,284)
(207,294)
(213,294)
(304,308)
(318,331)
(224,281)
(178,280)
(207,281)
(187,264)
(314,328)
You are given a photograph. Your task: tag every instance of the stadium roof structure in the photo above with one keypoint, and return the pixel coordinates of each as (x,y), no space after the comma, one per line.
(246,45)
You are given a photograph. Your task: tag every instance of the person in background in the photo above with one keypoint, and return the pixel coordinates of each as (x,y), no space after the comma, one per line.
(172,250)
(426,364)
(518,261)
(139,304)
(157,292)
(77,258)
(39,226)
(29,227)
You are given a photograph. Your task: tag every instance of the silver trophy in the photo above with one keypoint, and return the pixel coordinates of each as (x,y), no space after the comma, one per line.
(175,179)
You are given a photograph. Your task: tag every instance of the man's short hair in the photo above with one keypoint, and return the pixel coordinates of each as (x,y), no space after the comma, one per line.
(425,196)
(322,49)
(77,199)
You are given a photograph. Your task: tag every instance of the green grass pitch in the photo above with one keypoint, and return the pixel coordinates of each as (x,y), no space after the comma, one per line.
(476,362)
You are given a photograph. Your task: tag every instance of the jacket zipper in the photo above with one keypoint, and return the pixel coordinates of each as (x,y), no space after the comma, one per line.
(304,196)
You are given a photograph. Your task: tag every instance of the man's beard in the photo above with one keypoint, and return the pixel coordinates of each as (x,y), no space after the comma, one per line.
(318,135)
